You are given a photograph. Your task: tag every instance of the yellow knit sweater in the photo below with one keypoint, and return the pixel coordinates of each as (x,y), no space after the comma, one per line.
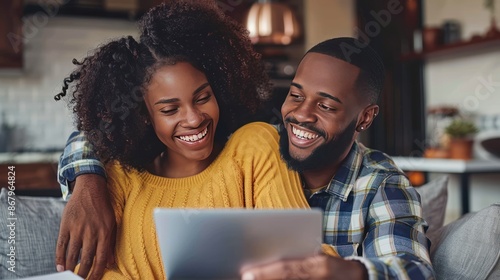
(247,173)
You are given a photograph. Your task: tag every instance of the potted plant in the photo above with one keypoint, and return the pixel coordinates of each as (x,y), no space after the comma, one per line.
(461,133)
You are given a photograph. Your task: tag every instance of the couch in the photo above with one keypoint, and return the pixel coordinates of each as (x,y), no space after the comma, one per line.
(468,248)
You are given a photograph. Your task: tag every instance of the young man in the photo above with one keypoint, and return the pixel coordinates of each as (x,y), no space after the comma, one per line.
(373,217)
(371,213)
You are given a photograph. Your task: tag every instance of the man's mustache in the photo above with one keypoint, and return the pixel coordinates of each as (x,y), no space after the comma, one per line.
(306,125)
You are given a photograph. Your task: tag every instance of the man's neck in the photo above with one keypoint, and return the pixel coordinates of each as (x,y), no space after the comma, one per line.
(319,177)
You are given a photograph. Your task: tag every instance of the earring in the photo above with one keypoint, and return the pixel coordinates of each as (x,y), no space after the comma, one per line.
(362,128)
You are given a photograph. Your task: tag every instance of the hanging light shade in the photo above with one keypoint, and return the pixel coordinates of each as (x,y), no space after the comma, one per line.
(272,23)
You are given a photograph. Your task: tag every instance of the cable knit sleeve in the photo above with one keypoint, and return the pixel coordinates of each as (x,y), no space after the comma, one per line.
(268,183)
(117,187)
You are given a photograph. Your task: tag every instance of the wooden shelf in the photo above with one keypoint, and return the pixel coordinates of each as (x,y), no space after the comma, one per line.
(31,176)
(463,48)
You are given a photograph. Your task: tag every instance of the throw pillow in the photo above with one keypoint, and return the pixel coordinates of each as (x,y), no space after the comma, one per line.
(34,231)
(434,197)
(468,248)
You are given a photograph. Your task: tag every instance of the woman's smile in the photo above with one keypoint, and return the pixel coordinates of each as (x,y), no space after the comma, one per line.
(184,114)
(194,137)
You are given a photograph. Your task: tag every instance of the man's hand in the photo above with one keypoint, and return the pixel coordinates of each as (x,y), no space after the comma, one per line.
(88,224)
(316,267)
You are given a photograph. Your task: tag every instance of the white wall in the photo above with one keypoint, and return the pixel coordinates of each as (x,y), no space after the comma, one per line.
(26,99)
(460,81)
(325,19)
(463,74)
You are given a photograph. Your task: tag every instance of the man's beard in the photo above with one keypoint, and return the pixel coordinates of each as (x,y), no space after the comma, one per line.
(322,156)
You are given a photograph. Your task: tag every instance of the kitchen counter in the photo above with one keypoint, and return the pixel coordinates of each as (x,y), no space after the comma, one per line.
(464,168)
(24,158)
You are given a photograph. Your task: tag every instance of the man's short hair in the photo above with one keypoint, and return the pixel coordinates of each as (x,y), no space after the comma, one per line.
(370,80)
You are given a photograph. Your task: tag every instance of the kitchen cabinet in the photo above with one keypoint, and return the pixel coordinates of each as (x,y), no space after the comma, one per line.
(35,173)
(11,42)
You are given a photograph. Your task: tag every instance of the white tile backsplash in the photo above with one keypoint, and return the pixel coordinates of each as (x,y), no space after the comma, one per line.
(27,100)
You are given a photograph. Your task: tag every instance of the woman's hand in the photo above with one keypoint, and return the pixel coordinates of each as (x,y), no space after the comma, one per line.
(88,226)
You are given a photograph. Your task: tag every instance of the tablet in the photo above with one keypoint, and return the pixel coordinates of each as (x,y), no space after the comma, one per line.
(218,243)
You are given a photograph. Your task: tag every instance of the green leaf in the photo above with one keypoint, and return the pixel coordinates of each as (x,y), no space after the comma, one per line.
(460,128)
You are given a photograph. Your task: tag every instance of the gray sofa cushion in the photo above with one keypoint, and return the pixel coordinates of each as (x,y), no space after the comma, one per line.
(434,197)
(495,272)
(35,235)
(468,248)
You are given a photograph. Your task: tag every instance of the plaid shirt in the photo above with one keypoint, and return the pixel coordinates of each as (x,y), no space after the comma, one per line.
(78,158)
(371,213)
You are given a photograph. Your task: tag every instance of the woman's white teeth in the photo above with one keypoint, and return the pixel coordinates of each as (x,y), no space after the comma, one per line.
(195,137)
(303,134)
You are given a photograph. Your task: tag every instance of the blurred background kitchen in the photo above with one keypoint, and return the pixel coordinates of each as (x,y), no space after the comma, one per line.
(442,59)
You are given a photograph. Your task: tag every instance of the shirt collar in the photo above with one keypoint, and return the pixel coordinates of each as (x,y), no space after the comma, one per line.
(344,179)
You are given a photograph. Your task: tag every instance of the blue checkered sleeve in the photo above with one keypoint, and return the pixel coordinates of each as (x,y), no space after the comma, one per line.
(78,158)
(373,215)
(395,246)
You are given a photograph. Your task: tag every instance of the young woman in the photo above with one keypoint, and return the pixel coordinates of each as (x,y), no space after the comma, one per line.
(159,113)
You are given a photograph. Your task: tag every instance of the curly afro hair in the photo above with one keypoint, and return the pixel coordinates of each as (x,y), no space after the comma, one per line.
(108,86)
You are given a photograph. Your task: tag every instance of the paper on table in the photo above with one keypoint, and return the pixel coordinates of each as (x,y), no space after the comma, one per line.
(66,275)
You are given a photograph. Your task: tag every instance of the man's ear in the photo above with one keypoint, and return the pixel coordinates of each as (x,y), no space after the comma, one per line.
(366,118)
